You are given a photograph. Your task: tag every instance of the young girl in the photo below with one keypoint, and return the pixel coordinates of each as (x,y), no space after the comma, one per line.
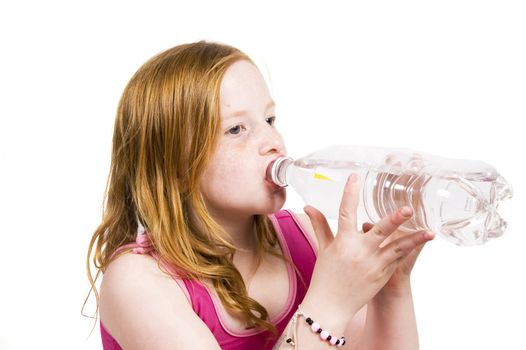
(195,251)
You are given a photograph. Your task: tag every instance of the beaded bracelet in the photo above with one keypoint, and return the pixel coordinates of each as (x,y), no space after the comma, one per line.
(315,327)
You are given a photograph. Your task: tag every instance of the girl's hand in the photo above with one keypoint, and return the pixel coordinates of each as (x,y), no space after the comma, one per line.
(352,267)
(399,283)
(408,178)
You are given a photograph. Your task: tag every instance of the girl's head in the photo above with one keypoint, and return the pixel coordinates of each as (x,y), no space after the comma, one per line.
(197,122)
(193,136)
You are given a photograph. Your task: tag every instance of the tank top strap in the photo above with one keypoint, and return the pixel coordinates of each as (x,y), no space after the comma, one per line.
(297,247)
(142,245)
(300,246)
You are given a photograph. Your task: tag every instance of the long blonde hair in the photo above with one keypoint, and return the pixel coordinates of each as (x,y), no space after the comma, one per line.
(165,132)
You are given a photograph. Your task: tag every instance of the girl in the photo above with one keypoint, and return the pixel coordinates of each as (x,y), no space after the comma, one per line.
(195,251)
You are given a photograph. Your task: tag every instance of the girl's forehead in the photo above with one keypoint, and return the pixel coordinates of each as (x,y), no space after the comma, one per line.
(243,88)
(241,78)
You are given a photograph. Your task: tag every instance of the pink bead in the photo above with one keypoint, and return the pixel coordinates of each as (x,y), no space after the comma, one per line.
(315,327)
(324,335)
(333,340)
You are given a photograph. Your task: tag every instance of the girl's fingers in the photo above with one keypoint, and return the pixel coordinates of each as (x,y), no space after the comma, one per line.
(320,225)
(403,246)
(366,226)
(347,216)
(386,226)
(410,259)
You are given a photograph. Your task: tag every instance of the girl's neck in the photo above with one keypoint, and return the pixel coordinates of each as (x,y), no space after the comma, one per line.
(241,231)
(240,228)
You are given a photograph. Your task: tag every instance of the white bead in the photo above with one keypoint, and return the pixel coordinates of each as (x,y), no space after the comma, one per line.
(315,327)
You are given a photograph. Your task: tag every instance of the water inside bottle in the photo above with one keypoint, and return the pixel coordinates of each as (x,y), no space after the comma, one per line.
(462,207)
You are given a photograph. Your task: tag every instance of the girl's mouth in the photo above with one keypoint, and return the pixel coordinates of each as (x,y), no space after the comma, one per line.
(273,186)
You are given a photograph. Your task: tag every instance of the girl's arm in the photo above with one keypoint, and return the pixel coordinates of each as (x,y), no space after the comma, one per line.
(386,322)
(390,323)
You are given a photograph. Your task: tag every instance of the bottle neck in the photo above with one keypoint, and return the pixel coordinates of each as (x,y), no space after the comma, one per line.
(277,171)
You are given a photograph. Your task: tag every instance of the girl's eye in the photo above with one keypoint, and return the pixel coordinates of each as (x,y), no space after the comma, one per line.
(271,120)
(235,130)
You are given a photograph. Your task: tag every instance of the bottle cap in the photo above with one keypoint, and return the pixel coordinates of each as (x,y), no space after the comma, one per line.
(275,171)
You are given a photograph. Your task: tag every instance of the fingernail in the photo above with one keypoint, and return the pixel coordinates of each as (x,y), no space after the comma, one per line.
(429,235)
(353,178)
(406,211)
(306,208)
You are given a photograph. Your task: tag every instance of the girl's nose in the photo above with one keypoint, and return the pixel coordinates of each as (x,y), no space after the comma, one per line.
(272,142)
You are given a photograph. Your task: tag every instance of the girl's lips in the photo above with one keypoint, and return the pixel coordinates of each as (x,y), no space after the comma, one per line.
(273,186)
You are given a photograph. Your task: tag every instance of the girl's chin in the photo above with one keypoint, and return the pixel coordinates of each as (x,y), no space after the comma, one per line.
(277,204)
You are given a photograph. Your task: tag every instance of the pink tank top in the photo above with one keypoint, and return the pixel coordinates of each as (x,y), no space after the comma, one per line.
(297,246)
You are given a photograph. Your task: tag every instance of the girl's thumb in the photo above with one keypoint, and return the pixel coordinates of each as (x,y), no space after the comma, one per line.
(320,225)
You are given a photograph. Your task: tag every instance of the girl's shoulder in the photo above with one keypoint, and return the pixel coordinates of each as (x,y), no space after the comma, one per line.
(136,278)
(129,271)
(137,299)
(131,281)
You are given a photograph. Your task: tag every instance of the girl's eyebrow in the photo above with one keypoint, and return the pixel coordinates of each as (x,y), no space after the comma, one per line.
(243,112)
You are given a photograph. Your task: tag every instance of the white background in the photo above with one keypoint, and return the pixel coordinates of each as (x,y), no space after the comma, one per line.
(443,77)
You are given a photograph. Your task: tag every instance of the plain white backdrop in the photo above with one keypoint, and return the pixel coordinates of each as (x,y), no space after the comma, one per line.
(443,77)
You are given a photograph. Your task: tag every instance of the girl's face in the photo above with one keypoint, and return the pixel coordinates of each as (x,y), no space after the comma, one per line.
(234,182)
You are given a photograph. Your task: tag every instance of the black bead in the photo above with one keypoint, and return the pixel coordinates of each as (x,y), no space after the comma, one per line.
(289,340)
(337,342)
(343,342)
(309,321)
(329,338)
(319,330)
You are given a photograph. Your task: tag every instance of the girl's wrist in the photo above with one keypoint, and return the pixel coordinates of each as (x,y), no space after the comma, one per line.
(327,312)
(401,290)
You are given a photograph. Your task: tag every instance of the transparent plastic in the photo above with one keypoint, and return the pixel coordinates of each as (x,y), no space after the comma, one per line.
(455,198)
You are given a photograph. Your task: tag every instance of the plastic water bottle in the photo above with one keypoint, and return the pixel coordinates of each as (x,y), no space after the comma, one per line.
(452,197)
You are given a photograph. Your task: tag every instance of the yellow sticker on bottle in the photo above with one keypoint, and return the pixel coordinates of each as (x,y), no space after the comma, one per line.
(319,176)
